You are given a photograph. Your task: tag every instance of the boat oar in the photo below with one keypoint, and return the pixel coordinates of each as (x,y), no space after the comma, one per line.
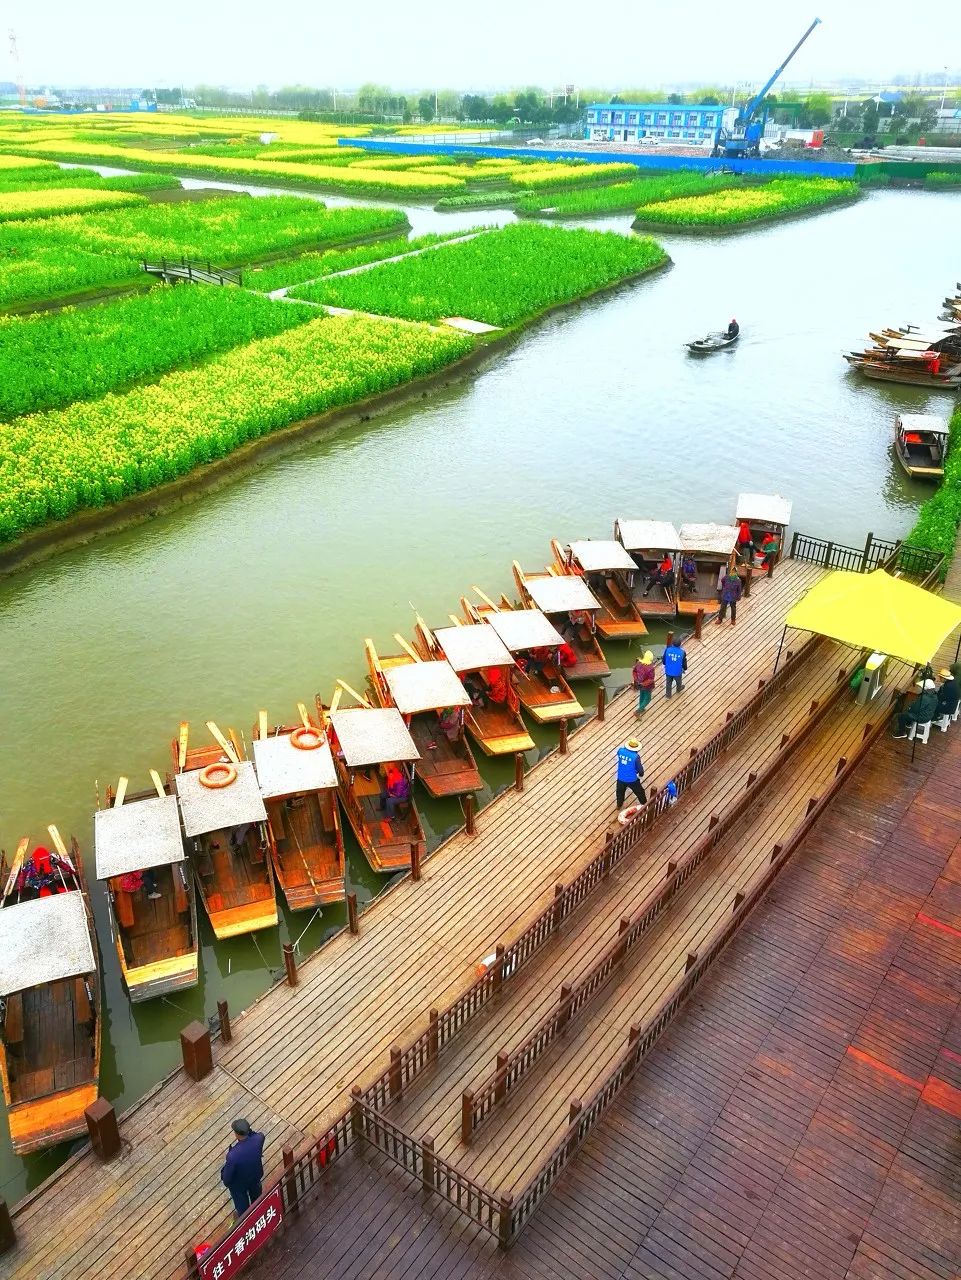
(182,745)
(358,697)
(411,652)
(121,792)
(15,866)
(226,747)
(158,785)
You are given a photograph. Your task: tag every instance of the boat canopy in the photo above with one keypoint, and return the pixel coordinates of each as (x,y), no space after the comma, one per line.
(136,835)
(877,612)
(206,809)
(524,629)
(923,422)
(595,557)
(43,941)
(472,647)
(709,539)
(560,594)
(771,508)
(425,686)
(373,735)
(648,535)
(285,770)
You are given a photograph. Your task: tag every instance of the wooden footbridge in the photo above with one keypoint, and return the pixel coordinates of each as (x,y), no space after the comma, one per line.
(192,270)
(392,1065)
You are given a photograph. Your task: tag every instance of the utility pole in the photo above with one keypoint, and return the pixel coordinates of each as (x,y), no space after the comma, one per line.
(15,55)
(944,88)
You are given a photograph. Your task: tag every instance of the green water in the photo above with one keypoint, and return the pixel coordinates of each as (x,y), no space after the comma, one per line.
(261,594)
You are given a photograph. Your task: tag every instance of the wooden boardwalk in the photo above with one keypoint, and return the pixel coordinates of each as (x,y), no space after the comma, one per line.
(296,1052)
(799,1120)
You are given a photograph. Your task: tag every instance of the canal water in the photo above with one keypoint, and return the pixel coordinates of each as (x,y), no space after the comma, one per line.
(261,594)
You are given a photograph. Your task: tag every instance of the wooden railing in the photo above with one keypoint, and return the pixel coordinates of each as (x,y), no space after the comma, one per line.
(511,1068)
(407,1064)
(192,270)
(877,553)
(641,1040)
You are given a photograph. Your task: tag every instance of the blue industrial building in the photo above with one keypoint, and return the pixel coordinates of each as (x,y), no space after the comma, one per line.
(635,121)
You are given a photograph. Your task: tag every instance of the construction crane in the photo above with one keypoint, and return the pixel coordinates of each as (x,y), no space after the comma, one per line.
(15,56)
(744,138)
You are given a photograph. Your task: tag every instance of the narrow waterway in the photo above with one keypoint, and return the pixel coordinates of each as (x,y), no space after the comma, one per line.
(261,593)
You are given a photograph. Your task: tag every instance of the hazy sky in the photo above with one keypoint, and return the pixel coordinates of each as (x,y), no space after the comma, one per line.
(500,43)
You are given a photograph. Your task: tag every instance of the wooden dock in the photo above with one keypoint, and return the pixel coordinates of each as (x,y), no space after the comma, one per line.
(297,1052)
(799,1120)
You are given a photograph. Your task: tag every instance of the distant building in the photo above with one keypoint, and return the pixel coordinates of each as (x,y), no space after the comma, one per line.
(655,121)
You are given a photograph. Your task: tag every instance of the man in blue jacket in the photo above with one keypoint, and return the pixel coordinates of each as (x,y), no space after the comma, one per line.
(630,771)
(243,1169)
(675,664)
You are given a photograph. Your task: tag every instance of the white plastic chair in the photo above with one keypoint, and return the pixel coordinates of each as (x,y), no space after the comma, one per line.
(957,711)
(920,732)
(943,721)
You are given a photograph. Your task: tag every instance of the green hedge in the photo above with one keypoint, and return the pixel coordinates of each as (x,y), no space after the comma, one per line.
(939,518)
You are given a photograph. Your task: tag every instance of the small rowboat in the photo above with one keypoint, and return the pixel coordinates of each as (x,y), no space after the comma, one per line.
(432,701)
(711,547)
(568,604)
(712,342)
(225,821)
(654,547)
(765,514)
(610,575)
(297,779)
(151,899)
(479,657)
(920,442)
(49,998)
(368,743)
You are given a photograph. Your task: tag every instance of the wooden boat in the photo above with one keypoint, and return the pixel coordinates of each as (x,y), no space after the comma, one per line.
(920,443)
(225,821)
(764,513)
(568,604)
(610,575)
(648,542)
(478,655)
(711,546)
(526,633)
(365,741)
(907,372)
(423,691)
(298,782)
(153,908)
(712,342)
(50,998)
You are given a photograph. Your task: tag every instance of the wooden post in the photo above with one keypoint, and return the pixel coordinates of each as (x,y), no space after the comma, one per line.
(698,623)
(290,964)
(776,852)
(760,684)
(223,1013)
(518,771)
(747,579)
(712,821)
(751,779)
(842,764)
(557,915)
(562,745)
(193,1270)
(291,1199)
(868,544)
(693,753)
(623,925)
(352,913)
(738,899)
(729,717)
(769,567)
(671,868)
(690,962)
(575,1111)
(794,545)
(466,1116)
(102,1126)
(601,704)
(669,639)
(415,860)
(195,1047)
(427,1163)
(433,1034)
(564,1006)
(812,804)
(828,552)
(505,1221)
(395,1081)
(500,1088)
(470,820)
(356,1113)
(497,968)
(7,1236)
(813,707)
(785,739)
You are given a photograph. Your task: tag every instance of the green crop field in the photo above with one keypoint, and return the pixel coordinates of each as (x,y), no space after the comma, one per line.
(620,197)
(778,198)
(100,451)
(310,266)
(103,349)
(500,277)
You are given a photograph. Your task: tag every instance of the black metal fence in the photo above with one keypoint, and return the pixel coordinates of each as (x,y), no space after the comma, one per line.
(877,553)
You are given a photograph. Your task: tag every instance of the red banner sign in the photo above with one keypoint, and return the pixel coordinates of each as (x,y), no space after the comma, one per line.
(250,1234)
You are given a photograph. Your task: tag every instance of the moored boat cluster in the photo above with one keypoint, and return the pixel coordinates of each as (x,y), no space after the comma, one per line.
(923,355)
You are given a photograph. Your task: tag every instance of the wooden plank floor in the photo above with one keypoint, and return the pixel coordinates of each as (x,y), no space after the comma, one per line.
(798,1121)
(296,1052)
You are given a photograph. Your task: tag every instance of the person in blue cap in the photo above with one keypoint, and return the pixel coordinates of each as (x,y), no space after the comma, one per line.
(243,1169)
(630,771)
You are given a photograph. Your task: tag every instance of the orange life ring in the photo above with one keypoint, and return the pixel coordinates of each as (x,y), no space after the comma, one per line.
(629,814)
(306,738)
(218,775)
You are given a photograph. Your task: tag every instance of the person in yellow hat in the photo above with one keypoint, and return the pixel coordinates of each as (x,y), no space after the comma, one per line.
(643,679)
(630,771)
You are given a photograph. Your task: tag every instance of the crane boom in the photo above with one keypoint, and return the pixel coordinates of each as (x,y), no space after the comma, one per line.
(747,111)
